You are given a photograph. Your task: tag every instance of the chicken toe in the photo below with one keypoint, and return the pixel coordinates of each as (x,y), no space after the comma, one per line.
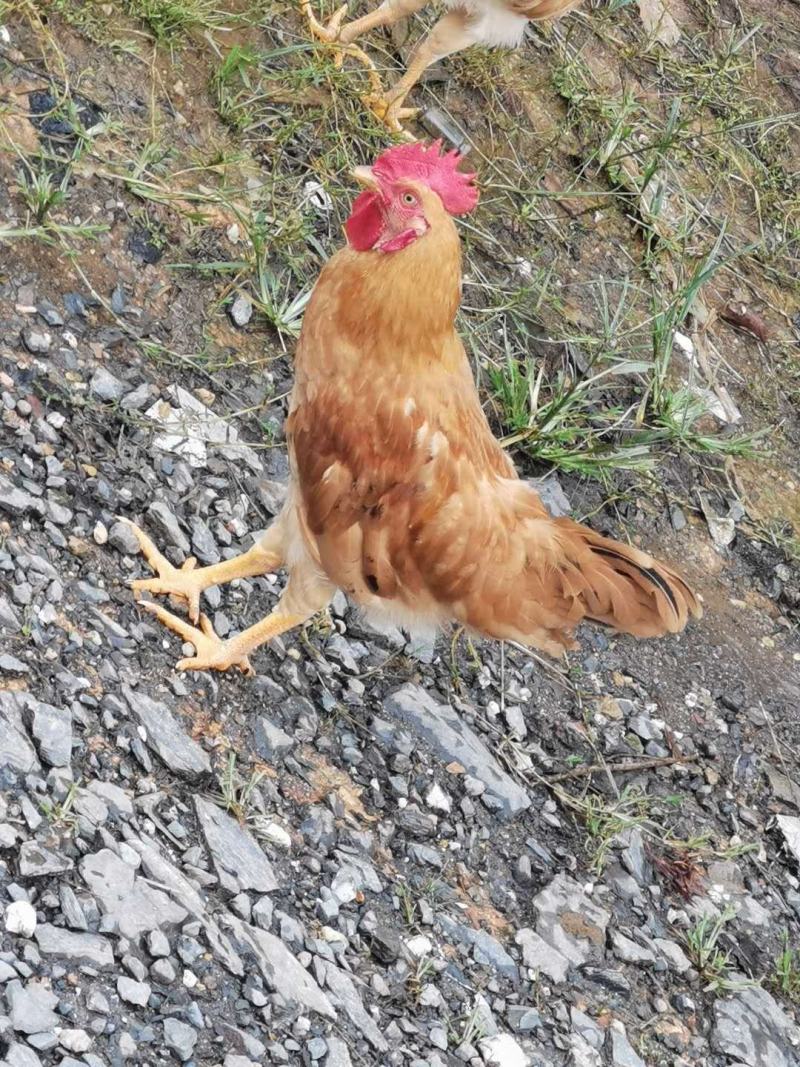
(183,582)
(330,35)
(391,113)
(211,652)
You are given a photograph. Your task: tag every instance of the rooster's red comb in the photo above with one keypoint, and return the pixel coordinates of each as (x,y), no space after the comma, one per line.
(437,170)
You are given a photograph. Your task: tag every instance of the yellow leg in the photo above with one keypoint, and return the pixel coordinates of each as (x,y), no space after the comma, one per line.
(331,34)
(452,33)
(187,584)
(303,597)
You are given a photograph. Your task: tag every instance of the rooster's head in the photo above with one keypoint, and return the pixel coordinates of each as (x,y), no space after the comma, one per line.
(392,213)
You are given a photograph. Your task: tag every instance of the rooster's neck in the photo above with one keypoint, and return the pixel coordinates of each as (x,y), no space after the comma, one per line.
(405,301)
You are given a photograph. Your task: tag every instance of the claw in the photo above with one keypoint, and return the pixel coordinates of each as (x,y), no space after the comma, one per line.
(390,114)
(211,652)
(330,35)
(173,581)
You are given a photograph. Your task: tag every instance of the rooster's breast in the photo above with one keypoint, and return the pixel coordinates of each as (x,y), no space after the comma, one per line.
(492,22)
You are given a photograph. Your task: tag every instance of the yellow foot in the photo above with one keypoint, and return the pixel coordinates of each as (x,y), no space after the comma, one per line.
(331,35)
(179,582)
(390,113)
(211,652)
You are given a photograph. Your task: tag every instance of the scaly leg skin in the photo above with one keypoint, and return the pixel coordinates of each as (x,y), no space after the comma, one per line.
(187,584)
(452,33)
(303,597)
(332,35)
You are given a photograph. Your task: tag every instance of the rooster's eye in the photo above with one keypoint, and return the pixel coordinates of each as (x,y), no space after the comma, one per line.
(409,198)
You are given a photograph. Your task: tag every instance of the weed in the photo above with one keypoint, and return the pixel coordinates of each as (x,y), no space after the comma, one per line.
(468,1030)
(408,904)
(60,813)
(236,795)
(415,981)
(40,191)
(171,20)
(702,944)
(605,822)
(786,975)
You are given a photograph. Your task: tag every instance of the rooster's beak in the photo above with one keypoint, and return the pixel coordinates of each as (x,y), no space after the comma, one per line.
(365,177)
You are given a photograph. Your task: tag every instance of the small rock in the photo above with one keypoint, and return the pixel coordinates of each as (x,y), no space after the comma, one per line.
(36,339)
(180,1037)
(105,386)
(137,993)
(241,310)
(21,918)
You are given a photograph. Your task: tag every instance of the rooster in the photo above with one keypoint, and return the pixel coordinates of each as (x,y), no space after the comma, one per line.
(465,22)
(399,493)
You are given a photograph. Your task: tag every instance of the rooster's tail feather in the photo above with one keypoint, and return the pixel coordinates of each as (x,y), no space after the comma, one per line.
(624,587)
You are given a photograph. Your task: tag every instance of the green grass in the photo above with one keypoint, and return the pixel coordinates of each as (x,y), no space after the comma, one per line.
(786,975)
(236,794)
(712,963)
(170,21)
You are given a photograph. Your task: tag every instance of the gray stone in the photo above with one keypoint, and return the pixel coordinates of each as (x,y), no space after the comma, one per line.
(74,1040)
(11,665)
(539,955)
(338,1053)
(97,1001)
(239,862)
(78,948)
(52,731)
(163,971)
(552,495)
(158,944)
(166,737)
(673,954)
(137,993)
(35,861)
(346,994)
(9,619)
(105,386)
(17,501)
(634,858)
(134,905)
(569,920)
(452,740)
(241,310)
(16,751)
(281,971)
(167,522)
(753,1029)
(789,826)
(21,1056)
(112,796)
(180,1037)
(622,1053)
(31,1007)
(523,1019)
(36,339)
(628,951)
(486,950)
(122,537)
(203,543)
(271,742)
(167,875)
(91,807)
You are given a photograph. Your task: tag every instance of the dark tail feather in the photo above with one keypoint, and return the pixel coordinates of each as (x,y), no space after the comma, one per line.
(626,588)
